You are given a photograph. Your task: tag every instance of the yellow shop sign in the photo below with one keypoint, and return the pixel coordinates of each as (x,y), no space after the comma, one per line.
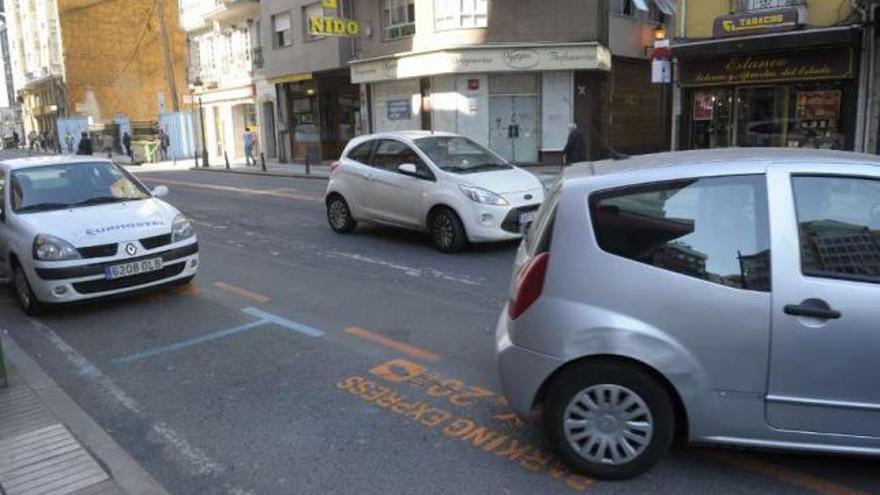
(333,26)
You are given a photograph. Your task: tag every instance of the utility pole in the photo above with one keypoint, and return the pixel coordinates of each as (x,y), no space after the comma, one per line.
(166,53)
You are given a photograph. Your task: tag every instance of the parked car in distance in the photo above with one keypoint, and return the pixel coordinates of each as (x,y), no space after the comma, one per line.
(440,183)
(729,296)
(78,228)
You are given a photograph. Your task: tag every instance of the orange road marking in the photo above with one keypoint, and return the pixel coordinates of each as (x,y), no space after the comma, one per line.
(241,190)
(190,289)
(789,476)
(392,344)
(253,296)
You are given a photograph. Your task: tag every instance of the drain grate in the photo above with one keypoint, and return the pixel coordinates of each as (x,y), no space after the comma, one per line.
(46,461)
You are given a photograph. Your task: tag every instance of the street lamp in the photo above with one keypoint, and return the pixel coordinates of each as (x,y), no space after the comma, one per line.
(198,85)
(660,32)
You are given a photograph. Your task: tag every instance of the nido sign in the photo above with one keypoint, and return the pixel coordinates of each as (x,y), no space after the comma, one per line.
(826,63)
(333,26)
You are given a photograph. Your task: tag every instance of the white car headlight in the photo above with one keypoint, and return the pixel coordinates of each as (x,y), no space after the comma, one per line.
(482,196)
(51,248)
(181,229)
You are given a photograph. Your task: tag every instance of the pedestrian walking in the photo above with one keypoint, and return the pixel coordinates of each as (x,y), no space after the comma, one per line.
(126,142)
(249,142)
(32,140)
(68,140)
(107,144)
(16,140)
(164,144)
(44,141)
(85,145)
(576,148)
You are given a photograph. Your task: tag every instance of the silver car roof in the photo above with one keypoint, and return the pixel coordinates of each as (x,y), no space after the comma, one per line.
(39,161)
(721,161)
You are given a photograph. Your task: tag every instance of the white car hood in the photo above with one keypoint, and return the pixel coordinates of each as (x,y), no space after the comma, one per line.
(105,224)
(503,181)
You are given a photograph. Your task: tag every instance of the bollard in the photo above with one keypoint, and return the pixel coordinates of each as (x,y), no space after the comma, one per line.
(263,161)
(3,382)
(308,165)
(196,158)
(226,157)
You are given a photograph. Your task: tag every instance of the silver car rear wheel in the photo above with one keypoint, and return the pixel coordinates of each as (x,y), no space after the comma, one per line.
(608,424)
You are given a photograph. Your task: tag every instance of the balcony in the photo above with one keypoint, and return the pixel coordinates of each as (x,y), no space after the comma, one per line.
(230,10)
(257,57)
(740,6)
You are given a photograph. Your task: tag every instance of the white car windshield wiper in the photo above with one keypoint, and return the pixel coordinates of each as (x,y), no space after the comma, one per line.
(101,200)
(41,207)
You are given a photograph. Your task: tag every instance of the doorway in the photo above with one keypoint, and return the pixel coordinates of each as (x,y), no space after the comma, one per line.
(514,116)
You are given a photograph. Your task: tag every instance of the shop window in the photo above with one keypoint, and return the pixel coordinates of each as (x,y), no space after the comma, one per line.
(713,229)
(281,28)
(399,17)
(455,14)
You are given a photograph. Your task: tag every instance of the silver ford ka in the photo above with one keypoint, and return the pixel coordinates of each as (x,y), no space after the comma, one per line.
(726,296)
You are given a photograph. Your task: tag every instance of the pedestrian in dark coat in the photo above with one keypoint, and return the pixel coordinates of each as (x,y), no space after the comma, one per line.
(126,142)
(576,148)
(85,145)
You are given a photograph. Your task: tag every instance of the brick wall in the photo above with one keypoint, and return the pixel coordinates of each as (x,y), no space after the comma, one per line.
(113,58)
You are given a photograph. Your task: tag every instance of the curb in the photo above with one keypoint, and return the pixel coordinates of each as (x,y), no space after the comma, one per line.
(265,174)
(124,471)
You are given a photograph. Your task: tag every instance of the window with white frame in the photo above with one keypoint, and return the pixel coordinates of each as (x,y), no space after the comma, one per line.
(399,17)
(455,14)
(281,34)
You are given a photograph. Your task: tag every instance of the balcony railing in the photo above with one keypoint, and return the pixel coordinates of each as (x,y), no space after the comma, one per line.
(257,57)
(739,6)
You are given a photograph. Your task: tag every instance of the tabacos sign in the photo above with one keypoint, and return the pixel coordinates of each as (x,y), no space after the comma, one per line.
(756,22)
(322,25)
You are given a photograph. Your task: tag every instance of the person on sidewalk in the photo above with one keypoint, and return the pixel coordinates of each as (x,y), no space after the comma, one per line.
(107,144)
(164,144)
(85,145)
(576,148)
(249,142)
(126,142)
(68,140)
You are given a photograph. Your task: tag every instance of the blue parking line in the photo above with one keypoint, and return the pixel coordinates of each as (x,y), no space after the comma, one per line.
(191,342)
(283,322)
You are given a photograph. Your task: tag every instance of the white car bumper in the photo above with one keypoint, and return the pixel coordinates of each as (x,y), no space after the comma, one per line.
(486,223)
(65,282)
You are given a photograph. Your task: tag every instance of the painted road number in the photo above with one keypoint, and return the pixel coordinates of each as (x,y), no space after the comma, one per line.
(133,268)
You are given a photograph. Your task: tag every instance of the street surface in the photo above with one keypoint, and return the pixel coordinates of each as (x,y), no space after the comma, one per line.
(302,361)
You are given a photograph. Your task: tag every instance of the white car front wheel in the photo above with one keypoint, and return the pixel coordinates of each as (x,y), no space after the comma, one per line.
(25,296)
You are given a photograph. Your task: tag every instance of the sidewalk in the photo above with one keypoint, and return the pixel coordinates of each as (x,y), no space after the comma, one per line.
(48,445)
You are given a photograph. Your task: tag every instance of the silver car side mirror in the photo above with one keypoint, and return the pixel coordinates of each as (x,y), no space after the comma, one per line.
(160,191)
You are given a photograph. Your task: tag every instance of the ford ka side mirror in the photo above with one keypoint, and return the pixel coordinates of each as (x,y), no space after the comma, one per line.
(408,169)
(160,192)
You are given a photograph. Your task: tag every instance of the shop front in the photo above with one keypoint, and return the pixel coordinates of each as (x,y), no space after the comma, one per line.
(800,98)
(517,100)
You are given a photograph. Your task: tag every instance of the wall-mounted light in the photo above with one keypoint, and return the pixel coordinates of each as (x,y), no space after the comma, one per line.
(310,91)
(660,32)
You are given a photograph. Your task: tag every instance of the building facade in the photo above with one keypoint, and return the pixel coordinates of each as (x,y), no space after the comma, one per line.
(308,105)
(96,60)
(513,75)
(220,35)
(790,73)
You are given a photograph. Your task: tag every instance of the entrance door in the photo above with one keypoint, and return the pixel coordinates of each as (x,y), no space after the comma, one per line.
(761,116)
(514,116)
(825,339)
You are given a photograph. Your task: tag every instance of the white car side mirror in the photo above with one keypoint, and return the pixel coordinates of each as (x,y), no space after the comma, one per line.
(160,192)
(408,169)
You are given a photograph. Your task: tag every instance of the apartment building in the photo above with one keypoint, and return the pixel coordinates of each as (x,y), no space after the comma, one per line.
(514,75)
(221,37)
(792,73)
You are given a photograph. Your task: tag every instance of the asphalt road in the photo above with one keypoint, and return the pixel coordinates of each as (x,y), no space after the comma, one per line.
(302,361)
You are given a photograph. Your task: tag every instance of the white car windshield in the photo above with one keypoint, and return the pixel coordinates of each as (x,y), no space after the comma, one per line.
(460,154)
(71,185)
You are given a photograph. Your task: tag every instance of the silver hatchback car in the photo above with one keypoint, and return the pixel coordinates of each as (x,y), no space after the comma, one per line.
(725,296)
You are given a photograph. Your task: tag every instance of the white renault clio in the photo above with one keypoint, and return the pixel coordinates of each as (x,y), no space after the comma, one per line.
(445,184)
(76,228)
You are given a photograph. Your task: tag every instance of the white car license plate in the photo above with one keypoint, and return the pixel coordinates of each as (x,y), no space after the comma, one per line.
(526,217)
(133,268)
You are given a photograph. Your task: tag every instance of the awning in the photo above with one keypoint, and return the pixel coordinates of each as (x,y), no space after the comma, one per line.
(291,78)
(665,6)
(807,38)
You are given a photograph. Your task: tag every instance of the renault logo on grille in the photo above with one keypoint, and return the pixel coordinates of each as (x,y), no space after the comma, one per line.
(131,249)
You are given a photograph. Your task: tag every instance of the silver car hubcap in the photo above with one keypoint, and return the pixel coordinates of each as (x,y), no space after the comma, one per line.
(22,289)
(608,424)
(338,214)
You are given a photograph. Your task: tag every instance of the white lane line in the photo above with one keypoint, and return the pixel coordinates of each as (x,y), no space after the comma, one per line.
(283,322)
(407,270)
(199,462)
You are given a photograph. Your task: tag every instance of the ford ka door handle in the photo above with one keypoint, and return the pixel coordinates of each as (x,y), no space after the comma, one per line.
(813,308)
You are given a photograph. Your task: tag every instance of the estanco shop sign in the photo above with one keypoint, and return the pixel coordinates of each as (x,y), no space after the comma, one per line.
(765,21)
(580,56)
(825,63)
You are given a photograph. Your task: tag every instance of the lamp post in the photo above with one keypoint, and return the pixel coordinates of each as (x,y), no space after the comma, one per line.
(197,86)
